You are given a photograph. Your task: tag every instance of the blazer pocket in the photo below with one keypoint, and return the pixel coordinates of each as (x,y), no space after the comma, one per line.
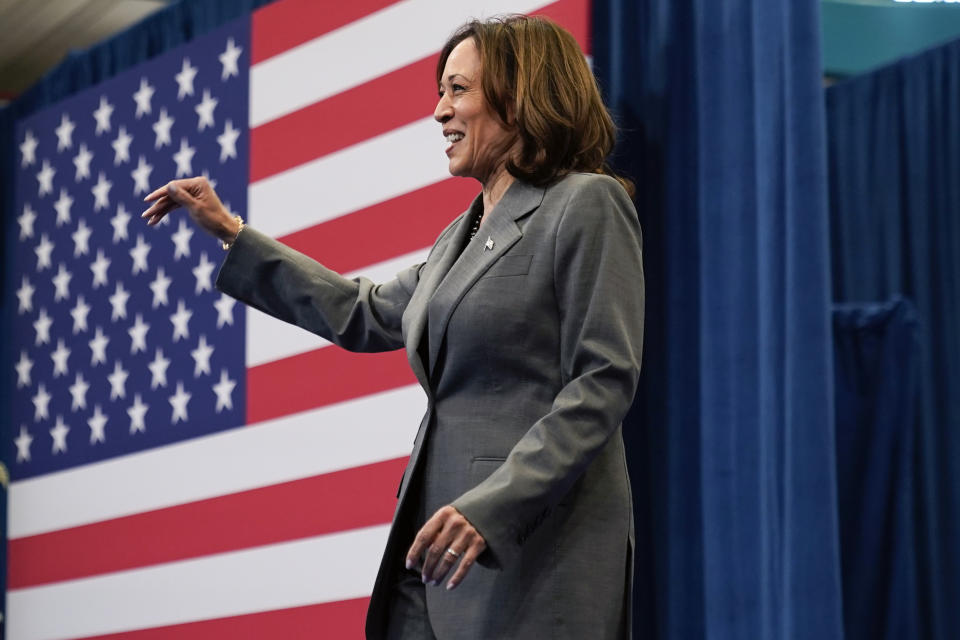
(481,467)
(509,266)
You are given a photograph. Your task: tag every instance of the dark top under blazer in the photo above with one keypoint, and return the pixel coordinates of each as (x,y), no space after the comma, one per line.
(534,347)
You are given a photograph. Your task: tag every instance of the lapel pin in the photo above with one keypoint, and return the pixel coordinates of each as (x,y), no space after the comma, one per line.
(489,245)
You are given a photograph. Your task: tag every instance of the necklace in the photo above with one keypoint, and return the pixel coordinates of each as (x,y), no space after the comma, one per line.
(475,224)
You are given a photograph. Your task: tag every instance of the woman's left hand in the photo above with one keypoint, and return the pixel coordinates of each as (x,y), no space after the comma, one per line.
(444,539)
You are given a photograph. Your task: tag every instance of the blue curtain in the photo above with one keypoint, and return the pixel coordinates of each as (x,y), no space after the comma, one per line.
(894,168)
(877,358)
(731,439)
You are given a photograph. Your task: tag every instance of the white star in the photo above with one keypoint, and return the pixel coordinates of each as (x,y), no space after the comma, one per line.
(59,358)
(79,314)
(25,295)
(178,402)
(59,435)
(119,223)
(184,158)
(141,177)
(158,370)
(65,133)
(82,162)
(62,205)
(228,141)
(181,241)
(137,411)
(138,335)
(205,110)
(45,178)
(180,320)
(23,442)
(162,129)
(97,423)
(118,381)
(29,149)
(42,326)
(101,193)
(41,404)
(224,307)
(185,79)
(78,390)
(139,255)
(119,302)
(201,357)
(159,287)
(98,348)
(99,268)
(26,220)
(203,272)
(102,115)
(81,239)
(229,60)
(224,391)
(24,365)
(44,251)
(121,146)
(142,97)
(62,283)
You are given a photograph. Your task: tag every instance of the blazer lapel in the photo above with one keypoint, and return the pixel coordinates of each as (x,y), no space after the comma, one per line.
(417,307)
(498,233)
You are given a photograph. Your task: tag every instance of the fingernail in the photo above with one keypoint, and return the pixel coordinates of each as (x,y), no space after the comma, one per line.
(409,564)
(451,585)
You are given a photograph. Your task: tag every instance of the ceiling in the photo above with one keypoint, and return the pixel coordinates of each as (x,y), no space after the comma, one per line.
(38,34)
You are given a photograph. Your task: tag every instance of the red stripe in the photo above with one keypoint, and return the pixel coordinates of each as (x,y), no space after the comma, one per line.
(389,228)
(321,377)
(370,109)
(367,110)
(358,497)
(283,25)
(574,16)
(342,620)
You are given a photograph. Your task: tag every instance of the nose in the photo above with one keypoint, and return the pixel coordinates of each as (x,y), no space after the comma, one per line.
(444,110)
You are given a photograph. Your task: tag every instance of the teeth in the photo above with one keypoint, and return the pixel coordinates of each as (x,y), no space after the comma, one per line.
(455,137)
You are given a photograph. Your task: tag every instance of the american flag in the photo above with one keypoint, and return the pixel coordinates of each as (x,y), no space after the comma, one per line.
(182,466)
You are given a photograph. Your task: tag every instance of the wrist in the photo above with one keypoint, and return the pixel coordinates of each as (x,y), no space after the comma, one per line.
(231,232)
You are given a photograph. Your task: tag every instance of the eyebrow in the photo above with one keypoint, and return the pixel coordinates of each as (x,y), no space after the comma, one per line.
(454,75)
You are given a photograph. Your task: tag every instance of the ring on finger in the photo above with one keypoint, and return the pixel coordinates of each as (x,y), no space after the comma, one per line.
(453,553)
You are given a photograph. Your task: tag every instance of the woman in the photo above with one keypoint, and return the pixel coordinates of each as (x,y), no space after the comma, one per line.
(524,327)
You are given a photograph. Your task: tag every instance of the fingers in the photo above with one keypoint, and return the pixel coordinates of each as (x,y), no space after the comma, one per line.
(474,549)
(176,193)
(424,537)
(447,529)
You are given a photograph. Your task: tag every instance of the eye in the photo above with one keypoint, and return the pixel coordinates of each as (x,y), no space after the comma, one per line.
(458,87)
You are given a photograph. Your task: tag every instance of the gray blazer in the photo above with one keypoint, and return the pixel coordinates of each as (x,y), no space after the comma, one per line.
(531,357)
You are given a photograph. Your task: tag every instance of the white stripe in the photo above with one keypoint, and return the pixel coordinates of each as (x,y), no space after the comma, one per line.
(269,339)
(322,569)
(377,169)
(361,51)
(362,431)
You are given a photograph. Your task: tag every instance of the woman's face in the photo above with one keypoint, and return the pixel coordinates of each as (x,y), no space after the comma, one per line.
(478,142)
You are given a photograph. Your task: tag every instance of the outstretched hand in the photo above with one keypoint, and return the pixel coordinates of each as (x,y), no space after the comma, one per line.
(445,538)
(201,202)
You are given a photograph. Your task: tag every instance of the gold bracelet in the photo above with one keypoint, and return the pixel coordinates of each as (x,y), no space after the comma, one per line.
(227,244)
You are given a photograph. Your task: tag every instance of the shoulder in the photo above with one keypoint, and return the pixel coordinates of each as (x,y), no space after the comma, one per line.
(586,185)
(590,201)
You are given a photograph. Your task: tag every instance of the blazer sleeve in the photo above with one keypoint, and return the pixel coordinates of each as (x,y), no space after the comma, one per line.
(355,314)
(598,276)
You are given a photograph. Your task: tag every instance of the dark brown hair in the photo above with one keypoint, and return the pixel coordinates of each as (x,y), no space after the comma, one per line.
(534,70)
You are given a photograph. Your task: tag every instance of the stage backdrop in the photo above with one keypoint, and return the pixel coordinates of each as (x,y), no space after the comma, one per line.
(183,467)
